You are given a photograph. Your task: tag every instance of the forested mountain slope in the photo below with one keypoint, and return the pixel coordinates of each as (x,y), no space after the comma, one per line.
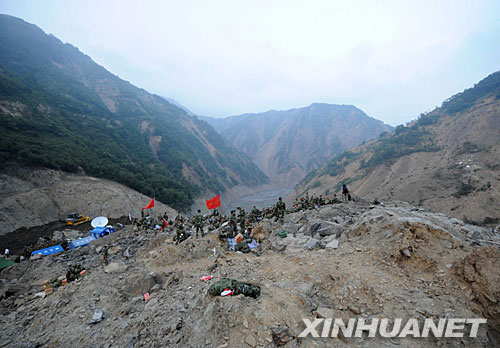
(61,110)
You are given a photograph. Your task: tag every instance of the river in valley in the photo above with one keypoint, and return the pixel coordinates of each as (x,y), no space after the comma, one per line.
(262,199)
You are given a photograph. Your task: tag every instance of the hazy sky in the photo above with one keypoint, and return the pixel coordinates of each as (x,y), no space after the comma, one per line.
(392,59)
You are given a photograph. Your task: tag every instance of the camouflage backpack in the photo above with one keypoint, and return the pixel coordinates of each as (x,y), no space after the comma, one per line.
(238,287)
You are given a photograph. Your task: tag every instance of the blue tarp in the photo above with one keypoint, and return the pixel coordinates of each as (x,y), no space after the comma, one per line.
(47,251)
(231,242)
(99,232)
(253,244)
(81,242)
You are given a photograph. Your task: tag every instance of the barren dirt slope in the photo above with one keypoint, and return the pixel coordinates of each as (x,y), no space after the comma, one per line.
(391,262)
(461,178)
(32,197)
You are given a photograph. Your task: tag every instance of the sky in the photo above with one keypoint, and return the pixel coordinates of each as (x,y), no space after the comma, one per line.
(392,59)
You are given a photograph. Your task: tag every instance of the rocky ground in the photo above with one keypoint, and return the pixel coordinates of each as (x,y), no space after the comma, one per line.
(356,261)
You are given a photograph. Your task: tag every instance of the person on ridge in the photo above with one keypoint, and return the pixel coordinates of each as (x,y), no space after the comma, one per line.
(345,192)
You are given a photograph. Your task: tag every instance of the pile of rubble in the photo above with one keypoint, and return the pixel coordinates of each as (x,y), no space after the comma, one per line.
(338,261)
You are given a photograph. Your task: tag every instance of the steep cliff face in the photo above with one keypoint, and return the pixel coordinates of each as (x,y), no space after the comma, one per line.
(286,145)
(61,110)
(447,160)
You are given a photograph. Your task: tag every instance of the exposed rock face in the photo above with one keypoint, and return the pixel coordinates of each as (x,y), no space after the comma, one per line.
(286,145)
(391,262)
(32,197)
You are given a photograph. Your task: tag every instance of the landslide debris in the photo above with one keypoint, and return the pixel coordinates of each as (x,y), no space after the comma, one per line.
(347,260)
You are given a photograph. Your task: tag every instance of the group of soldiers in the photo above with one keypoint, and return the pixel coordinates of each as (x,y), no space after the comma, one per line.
(148,222)
(237,221)
(312,202)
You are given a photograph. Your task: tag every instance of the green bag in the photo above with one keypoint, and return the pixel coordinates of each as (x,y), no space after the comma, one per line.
(282,234)
(219,286)
(238,287)
(242,246)
(247,289)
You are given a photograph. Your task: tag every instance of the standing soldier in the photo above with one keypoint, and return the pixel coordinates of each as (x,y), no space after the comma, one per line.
(280,210)
(241,218)
(198,223)
(232,221)
(345,192)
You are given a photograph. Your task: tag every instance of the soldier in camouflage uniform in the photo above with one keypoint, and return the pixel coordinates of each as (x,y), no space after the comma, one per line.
(321,200)
(242,218)
(232,221)
(180,233)
(198,223)
(255,214)
(279,210)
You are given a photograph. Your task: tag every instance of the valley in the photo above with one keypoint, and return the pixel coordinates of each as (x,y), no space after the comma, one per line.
(420,238)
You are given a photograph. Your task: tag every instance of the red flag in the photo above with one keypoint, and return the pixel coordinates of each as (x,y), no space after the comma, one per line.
(150,205)
(213,202)
(166,223)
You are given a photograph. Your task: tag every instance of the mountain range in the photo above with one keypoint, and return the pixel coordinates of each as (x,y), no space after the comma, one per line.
(61,110)
(447,160)
(288,144)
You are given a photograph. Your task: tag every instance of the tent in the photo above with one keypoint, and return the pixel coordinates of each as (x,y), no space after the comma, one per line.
(99,232)
(48,251)
(81,242)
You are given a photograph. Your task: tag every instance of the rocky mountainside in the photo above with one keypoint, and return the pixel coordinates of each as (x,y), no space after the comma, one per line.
(447,160)
(61,110)
(339,261)
(286,145)
(33,197)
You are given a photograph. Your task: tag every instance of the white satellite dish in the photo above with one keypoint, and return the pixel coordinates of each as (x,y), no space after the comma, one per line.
(99,221)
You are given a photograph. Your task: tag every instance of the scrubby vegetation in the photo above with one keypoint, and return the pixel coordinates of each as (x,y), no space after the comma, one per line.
(469,147)
(464,189)
(52,115)
(404,141)
(462,101)
(348,181)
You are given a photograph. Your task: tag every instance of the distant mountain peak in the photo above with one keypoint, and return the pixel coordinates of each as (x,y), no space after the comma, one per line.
(288,144)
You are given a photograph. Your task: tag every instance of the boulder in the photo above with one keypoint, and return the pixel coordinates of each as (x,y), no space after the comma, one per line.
(334,244)
(57,237)
(312,229)
(139,285)
(314,244)
(325,231)
(291,244)
(115,267)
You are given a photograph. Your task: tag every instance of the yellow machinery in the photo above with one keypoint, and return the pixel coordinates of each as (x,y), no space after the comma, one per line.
(76,219)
